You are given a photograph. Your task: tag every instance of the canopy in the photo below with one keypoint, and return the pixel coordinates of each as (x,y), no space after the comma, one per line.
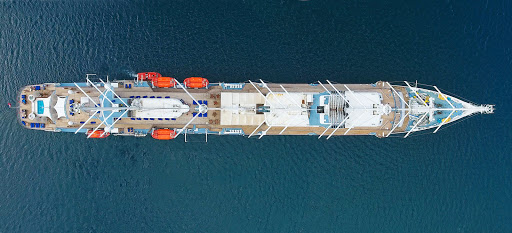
(286,110)
(240,108)
(358,115)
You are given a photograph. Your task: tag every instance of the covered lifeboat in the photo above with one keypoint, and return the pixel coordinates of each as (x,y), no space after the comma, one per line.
(163,82)
(97,134)
(196,82)
(148,76)
(163,134)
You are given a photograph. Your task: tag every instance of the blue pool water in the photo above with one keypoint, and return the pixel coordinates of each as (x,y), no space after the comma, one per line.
(458,180)
(40,107)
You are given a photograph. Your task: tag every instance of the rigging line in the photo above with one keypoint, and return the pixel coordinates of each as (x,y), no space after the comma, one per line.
(337,91)
(417,94)
(399,122)
(86,121)
(184,89)
(353,126)
(264,97)
(459,97)
(289,96)
(459,121)
(101,93)
(362,95)
(114,93)
(111,126)
(102,122)
(186,125)
(271,92)
(451,94)
(444,121)
(416,125)
(399,96)
(419,133)
(86,94)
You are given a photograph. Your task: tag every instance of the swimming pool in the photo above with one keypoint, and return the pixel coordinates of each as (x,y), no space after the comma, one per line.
(40,107)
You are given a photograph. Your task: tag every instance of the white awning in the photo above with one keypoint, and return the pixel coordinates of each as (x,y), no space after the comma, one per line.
(286,111)
(240,108)
(60,107)
(358,117)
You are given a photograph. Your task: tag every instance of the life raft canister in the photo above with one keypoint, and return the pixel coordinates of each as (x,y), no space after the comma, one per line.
(148,76)
(163,82)
(97,134)
(196,82)
(163,134)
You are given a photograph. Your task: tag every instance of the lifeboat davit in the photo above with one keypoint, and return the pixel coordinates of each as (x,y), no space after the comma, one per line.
(196,82)
(163,134)
(163,82)
(148,76)
(97,134)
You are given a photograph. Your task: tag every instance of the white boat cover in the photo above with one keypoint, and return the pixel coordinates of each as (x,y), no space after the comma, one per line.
(160,108)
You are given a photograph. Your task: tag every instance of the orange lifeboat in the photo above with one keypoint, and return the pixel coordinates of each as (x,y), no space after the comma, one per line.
(196,82)
(97,134)
(163,82)
(163,134)
(148,76)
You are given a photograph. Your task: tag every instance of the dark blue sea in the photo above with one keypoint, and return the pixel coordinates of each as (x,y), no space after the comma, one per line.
(458,180)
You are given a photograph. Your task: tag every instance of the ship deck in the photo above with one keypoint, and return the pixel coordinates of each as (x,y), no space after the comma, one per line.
(212,96)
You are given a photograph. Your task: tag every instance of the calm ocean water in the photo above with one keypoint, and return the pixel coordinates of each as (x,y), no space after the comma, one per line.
(459,180)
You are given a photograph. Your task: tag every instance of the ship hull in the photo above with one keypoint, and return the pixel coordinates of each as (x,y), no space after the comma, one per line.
(253,109)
